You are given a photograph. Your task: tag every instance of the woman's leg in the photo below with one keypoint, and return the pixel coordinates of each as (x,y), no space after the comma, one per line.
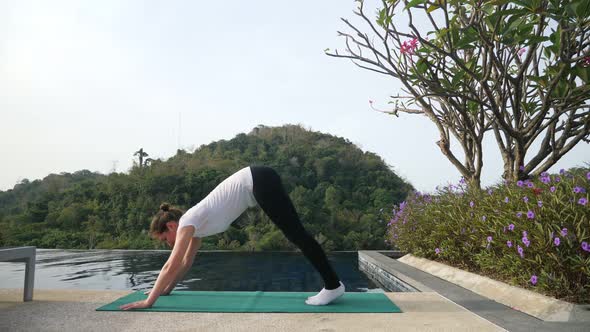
(275,202)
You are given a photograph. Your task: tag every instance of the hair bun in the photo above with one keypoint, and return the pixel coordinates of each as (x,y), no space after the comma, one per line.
(165,207)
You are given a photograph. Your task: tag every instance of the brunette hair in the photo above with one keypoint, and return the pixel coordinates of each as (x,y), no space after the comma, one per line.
(164,215)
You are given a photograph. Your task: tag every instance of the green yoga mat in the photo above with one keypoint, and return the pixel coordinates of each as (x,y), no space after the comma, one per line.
(192,301)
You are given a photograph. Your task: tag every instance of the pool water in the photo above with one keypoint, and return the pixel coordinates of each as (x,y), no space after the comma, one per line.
(212,271)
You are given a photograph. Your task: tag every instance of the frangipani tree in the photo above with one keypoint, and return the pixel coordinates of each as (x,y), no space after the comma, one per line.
(519,70)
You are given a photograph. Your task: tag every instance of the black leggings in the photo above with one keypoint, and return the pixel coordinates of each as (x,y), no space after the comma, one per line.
(274,201)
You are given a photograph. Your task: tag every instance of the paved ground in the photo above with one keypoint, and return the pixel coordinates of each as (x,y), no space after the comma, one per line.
(74,310)
(497,313)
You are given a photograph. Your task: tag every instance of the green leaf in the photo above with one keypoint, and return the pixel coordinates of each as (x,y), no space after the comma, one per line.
(421,66)
(536,39)
(432,8)
(514,22)
(424,50)
(472,107)
(583,9)
(471,64)
(583,73)
(458,78)
(469,36)
(579,9)
(547,53)
(414,3)
(498,2)
(381,19)
(541,80)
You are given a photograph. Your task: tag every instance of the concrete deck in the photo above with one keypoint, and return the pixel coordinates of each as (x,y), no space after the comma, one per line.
(74,310)
(497,313)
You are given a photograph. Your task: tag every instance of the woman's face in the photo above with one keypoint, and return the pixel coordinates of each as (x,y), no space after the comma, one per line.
(169,236)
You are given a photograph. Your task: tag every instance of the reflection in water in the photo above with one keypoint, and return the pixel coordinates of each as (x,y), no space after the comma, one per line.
(212,271)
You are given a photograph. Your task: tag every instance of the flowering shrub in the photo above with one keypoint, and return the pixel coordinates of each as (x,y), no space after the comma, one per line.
(533,234)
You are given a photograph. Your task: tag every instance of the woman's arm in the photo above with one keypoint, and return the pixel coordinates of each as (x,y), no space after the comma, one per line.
(187,263)
(169,271)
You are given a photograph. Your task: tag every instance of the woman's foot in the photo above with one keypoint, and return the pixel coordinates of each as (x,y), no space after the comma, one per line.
(326,296)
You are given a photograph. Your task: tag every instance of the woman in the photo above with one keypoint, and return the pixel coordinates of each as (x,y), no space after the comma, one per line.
(251,186)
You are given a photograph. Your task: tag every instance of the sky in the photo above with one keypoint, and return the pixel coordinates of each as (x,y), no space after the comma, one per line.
(85,84)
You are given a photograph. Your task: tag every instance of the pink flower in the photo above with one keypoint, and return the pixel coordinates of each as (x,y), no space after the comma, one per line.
(586,61)
(521,51)
(409,47)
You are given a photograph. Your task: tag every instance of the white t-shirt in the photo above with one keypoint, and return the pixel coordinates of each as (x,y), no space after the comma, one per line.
(215,213)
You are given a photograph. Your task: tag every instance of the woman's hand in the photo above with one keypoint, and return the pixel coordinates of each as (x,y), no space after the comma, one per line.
(136,305)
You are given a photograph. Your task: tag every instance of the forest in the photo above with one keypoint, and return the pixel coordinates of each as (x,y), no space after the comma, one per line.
(342,194)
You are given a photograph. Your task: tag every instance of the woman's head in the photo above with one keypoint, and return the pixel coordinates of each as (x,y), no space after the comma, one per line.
(165,223)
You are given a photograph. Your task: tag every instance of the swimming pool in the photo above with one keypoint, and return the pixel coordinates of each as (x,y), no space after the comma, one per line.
(212,271)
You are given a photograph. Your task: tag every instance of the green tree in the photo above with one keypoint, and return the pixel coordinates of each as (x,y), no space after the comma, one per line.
(140,155)
(90,210)
(517,69)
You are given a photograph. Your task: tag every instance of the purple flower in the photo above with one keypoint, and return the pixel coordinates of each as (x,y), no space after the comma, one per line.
(530,214)
(562,171)
(564,232)
(437,251)
(530,185)
(525,199)
(556,241)
(588,175)
(585,246)
(526,241)
(545,179)
(506,200)
(582,201)
(483,218)
(489,239)
(462,181)
(544,174)
(521,168)
(552,189)
(557,179)
(525,234)
(490,191)
(539,203)
(579,190)
(519,183)
(471,204)
(519,214)
(534,279)
(511,227)
(520,251)
(509,244)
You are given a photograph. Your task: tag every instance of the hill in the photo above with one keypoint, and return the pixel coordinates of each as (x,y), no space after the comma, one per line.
(342,195)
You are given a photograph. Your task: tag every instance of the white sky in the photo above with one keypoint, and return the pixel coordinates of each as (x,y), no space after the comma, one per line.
(84,84)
